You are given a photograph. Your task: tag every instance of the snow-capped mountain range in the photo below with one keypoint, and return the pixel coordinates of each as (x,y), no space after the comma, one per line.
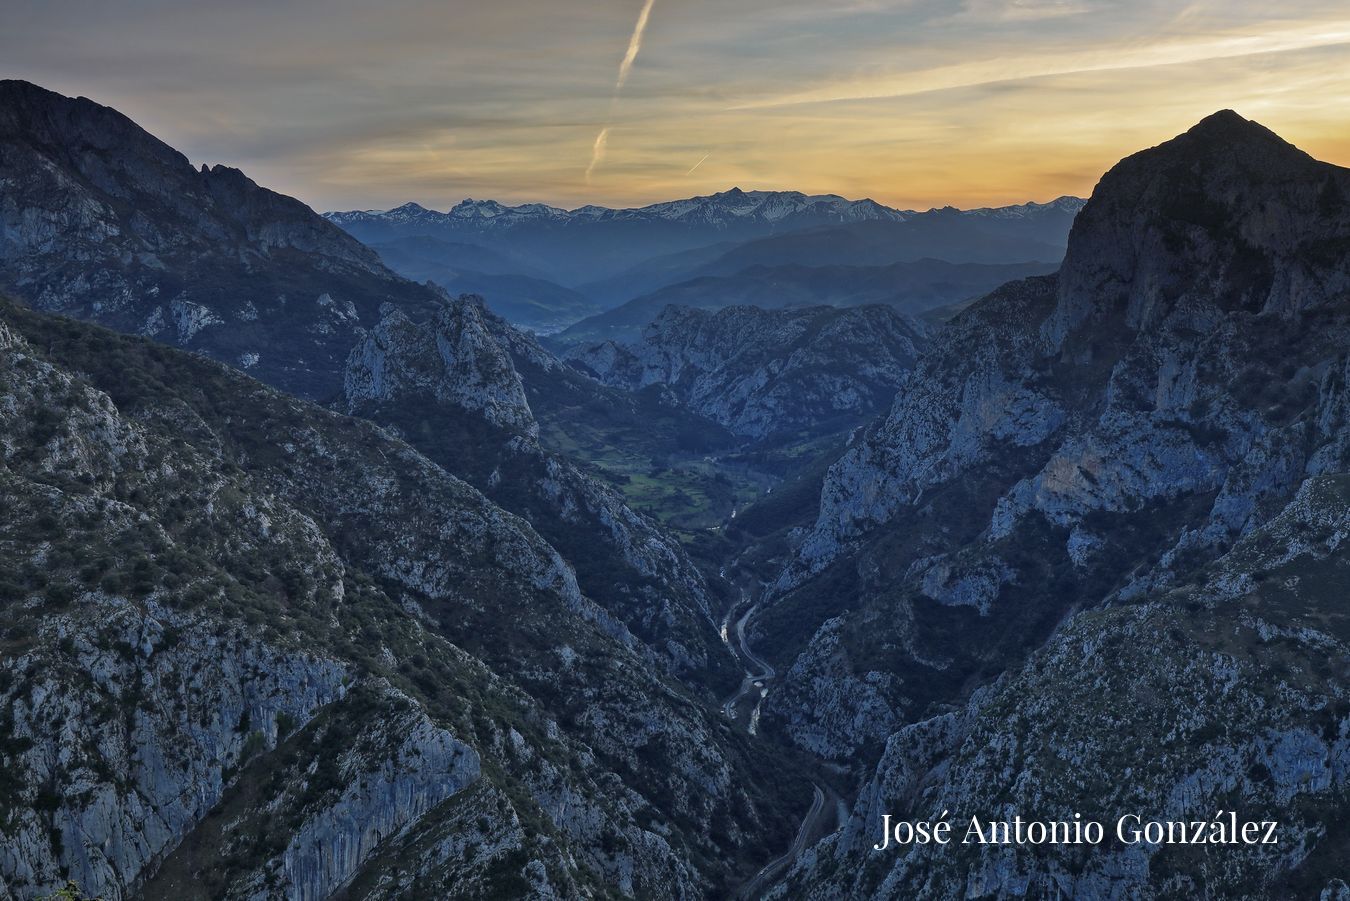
(593,243)
(720,210)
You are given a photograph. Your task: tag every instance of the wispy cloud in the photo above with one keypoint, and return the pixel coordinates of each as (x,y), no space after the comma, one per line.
(625,66)
(1024,10)
(1102,59)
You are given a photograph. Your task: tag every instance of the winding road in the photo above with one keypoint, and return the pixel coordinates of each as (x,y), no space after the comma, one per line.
(771,870)
(758,673)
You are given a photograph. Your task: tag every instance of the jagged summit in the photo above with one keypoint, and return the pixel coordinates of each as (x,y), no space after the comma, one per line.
(19,95)
(733,204)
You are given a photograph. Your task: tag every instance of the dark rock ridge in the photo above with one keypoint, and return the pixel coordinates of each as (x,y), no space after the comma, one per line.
(761,372)
(102,221)
(1123,488)
(256,648)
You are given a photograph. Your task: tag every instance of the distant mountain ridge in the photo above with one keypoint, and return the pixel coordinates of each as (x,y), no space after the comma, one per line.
(565,266)
(592,243)
(718,210)
(913,288)
(513,288)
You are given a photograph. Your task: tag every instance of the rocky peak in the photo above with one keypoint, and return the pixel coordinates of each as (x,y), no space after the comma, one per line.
(455,358)
(114,170)
(1227,216)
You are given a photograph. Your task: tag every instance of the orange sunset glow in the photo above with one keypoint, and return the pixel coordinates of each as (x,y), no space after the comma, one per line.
(625,102)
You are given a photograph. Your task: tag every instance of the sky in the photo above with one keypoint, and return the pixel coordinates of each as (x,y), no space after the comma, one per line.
(914,103)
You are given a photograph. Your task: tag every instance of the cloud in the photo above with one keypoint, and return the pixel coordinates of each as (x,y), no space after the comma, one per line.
(997,70)
(1024,10)
(980,102)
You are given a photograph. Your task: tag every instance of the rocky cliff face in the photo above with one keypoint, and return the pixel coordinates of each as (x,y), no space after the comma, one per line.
(100,220)
(759,372)
(454,360)
(256,649)
(1139,429)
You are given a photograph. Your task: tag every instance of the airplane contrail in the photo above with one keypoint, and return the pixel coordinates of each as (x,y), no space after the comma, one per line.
(598,151)
(634,45)
(699,163)
(625,66)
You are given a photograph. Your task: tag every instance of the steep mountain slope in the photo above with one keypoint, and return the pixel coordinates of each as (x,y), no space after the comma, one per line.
(508,286)
(253,648)
(766,372)
(100,220)
(458,255)
(1238,700)
(452,385)
(1147,439)
(911,288)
